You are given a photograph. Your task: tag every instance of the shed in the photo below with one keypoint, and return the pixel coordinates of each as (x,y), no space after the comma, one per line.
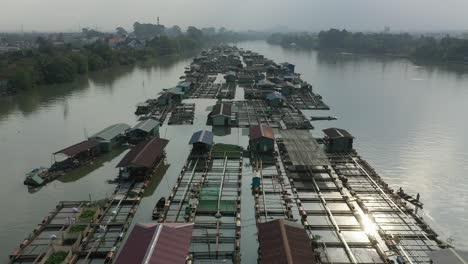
(221,114)
(142,108)
(261,139)
(283,241)
(289,66)
(275,99)
(142,158)
(185,86)
(110,136)
(143,130)
(164,243)
(202,141)
(448,255)
(230,76)
(288,88)
(338,140)
(171,96)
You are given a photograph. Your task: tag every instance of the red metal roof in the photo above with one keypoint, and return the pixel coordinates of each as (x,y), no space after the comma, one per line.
(336,133)
(282,241)
(261,131)
(157,243)
(145,154)
(78,148)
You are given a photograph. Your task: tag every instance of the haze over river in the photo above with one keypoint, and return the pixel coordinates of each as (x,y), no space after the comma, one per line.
(408,122)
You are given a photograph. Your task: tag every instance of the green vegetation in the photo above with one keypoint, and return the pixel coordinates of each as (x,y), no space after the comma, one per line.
(56,62)
(78,228)
(231,151)
(447,49)
(57,257)
(89,213)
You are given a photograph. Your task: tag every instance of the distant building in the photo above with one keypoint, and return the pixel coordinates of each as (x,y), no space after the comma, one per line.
(265,84)
(110,136)
(165,243)
(171,96)
(289,66)
(261,139)
(230,76)
(221,114)
(185,86)
(338,140)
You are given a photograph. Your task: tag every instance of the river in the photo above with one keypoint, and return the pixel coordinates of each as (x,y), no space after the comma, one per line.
(407,120)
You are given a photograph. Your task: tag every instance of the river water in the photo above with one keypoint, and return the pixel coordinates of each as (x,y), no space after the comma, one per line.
(408,122)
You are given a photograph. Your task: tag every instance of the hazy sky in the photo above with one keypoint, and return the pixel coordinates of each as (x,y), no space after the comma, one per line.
(311,15)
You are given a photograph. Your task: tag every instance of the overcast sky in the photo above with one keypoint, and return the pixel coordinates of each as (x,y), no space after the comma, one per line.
(310,15)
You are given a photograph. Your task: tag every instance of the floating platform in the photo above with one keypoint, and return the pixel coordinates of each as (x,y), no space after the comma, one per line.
(182,114)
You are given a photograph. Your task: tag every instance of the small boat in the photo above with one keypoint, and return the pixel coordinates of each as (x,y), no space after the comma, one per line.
(158,209)
(36,177)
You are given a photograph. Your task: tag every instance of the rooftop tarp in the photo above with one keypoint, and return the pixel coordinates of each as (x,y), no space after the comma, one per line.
(282,241)
(222,109)
(111,132)
(336,133)
(202,136)
(261,131)
(146,125)
(166,243)
(145,154)
(78,148)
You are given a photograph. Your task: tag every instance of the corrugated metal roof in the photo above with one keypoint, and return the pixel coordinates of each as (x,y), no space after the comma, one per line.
(78,148)
(222,109)
(146,125)
(282,241)
(157,243)
(145,154)
(184,84)
(111,132)
(202,136)
(336,133)
(261,131)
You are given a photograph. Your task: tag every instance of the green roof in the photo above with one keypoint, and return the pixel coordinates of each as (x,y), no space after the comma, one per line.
(111,132)
(146,125)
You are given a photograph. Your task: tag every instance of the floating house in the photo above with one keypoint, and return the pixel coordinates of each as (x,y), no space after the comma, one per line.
(140,161)
(171,96)
(275,99)
(110,136)
(230,76)
(185,86)
(288,66)
(265,84)
(144,130)
(157,243)
(245,78)
(221,114)
(261,139)
(288,88)
(283,241)
(75,155)
(338,140)
(202,141)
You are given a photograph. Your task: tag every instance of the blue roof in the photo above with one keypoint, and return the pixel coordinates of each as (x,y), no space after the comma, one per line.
(273,96)
(202,136)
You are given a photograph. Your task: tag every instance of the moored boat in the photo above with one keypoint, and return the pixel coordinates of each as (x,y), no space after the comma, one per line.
(158,209)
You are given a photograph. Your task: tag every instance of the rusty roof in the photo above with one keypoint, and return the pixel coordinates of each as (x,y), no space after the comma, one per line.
(261,131)
(78,148)
(145,154)
(282,241)
(336,133)
(157,243)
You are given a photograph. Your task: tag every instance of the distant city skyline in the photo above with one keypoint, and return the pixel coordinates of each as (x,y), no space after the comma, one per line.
(298,15)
